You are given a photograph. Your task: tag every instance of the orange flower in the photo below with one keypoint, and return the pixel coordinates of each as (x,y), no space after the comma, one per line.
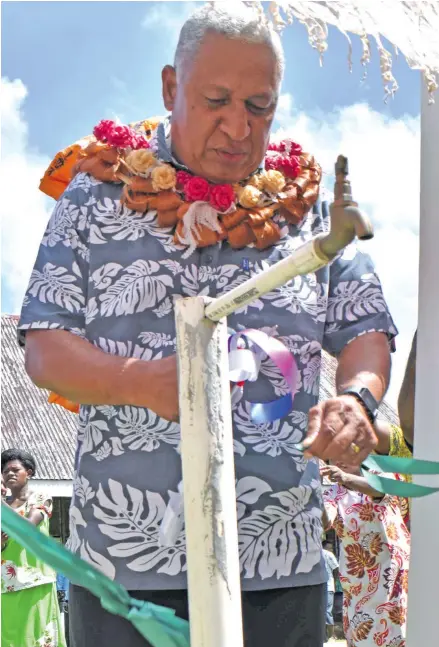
(274,181)
(363,626)
(358,560)
(397,615)
(366,512)
(163,177)
(405,581)
(249,196)
(373,543)
(392,531)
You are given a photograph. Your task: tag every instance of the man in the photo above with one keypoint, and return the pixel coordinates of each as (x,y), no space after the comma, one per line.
(100,331)
(331,565)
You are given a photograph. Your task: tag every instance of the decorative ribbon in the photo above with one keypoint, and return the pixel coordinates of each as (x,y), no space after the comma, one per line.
(244,364)
(158,625)
(397,465)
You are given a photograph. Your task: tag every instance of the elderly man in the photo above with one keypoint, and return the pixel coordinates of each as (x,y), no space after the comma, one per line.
(99,330)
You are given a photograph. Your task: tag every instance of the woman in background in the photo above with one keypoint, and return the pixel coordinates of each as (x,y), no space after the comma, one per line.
(374,558)
(30,612)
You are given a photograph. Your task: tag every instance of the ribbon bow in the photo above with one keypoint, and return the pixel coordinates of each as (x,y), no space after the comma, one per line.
(246,349)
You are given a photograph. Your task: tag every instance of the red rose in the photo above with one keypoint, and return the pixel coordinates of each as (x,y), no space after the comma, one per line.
(272,162)
(289,167)
(279,148)
(122,137)
(221,197)
(183,178)
(295,149)
(140,142)
(103,129)
(197,188)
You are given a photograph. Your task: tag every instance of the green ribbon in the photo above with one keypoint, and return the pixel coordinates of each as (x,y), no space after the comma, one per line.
(158,625)
(397,465)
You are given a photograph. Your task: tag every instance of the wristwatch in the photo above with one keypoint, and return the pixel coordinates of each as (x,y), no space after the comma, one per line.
(365,397)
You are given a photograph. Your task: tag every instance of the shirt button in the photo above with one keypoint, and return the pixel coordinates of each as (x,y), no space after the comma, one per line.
(208,258)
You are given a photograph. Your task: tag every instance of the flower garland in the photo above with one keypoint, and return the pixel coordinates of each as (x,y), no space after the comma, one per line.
(201,212)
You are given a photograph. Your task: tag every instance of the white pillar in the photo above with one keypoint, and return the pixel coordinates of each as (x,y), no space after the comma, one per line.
(208,478)
(423,611)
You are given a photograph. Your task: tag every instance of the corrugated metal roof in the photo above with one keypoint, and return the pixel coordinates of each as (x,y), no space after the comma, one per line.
(49,431)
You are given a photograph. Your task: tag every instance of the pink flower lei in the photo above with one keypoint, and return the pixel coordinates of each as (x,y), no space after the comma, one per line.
(113,134)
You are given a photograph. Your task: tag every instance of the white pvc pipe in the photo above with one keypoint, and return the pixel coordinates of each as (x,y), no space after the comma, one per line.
(208,478)
(423,609)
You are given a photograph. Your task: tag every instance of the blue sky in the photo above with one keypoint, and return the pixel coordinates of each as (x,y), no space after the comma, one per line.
(82,61)
(66,65)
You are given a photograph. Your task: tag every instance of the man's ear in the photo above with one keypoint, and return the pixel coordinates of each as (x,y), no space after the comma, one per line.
(169,86)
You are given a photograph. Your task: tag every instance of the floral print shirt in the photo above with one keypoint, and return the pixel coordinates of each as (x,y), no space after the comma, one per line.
(374,563)
(110,275)
(19,568)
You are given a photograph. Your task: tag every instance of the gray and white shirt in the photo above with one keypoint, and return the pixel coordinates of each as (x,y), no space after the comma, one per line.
(110,275)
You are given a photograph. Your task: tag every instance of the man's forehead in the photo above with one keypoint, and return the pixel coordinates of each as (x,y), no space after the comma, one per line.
(225,57)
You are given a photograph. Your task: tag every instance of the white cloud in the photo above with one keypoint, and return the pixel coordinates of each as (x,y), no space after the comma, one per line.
(168,17)
(24,210)
(384,169)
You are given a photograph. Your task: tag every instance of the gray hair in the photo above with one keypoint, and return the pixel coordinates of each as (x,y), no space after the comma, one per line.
(236,21)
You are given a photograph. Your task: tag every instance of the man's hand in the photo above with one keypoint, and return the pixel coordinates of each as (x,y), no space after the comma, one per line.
(339,430)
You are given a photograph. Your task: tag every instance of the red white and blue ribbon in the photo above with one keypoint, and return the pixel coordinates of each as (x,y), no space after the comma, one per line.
(246,349)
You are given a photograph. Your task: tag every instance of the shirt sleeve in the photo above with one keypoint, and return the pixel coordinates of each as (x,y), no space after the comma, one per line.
(56,293)
(356,303)
(329,495)
(333,562)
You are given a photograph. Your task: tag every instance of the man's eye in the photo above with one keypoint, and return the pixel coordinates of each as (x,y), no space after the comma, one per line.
(257,110)
(216,102)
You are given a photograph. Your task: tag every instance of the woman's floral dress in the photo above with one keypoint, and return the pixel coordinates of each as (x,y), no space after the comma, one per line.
(374,562)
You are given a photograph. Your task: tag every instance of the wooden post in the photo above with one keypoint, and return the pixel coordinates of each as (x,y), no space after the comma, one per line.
(423,597)
(208,478)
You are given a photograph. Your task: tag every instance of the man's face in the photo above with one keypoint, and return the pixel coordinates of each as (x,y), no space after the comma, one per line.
(222,108)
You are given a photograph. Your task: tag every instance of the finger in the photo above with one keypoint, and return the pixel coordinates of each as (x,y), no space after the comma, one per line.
(340,446)
(331,424)
(314,422)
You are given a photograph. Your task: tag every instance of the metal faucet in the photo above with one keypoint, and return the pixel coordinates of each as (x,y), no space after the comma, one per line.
(347,220)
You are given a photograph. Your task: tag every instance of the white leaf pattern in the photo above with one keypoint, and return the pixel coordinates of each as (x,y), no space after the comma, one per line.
(135,530)
(156,339)
(270,539)
(353,300)
(136,290)
(98,561)
(55,285)
(143,429)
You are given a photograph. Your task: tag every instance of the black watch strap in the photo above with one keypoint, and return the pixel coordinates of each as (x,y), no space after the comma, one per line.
(363,395)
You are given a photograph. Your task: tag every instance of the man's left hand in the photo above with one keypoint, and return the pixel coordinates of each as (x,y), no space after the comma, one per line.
(339,430)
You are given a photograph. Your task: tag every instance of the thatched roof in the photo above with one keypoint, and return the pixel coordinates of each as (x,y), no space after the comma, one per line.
(49,431)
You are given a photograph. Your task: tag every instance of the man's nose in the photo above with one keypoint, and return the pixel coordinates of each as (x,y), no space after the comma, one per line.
(235,123)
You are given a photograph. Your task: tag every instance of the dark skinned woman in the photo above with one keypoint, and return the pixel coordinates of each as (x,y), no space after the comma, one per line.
(30,612)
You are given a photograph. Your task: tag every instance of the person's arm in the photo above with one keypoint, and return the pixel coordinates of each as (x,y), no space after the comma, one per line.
(60,361)
(358,331)
(53,324)
(406,399)
(350,481)
(383,432)
(336,424)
